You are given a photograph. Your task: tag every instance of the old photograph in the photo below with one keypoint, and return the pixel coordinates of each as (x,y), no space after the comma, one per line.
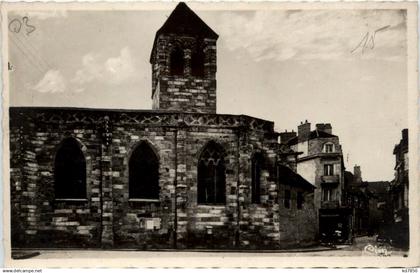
(210,130)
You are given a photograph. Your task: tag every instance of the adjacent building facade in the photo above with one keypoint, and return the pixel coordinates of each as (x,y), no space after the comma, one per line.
(399,192)
(320,161)
(177,176)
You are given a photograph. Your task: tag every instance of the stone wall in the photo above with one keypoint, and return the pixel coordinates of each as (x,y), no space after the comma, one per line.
(145,224)
(258,219)
(38,218)
(304,221)
(108,218)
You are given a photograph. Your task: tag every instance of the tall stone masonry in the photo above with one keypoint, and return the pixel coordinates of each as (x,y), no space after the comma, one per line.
(183,63)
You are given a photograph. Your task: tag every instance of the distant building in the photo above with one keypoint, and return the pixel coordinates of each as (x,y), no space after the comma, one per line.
(399,192)
(320,161)
(356,198)
(379,206)
(369,201)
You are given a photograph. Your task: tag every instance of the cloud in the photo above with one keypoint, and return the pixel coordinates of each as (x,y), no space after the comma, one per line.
(314,34)
(114,70)
(90,71)
(52,82)
(120,68)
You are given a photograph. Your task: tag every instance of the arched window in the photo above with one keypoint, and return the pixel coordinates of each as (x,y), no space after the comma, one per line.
(143,169)
(256,164)
(211,186)
(177,62)
(70,171)
(197,63)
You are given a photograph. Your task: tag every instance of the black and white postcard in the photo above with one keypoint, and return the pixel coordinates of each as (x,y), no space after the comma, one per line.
(217,134)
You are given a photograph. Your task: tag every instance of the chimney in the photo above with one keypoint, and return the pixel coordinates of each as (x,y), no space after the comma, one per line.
(357,174)
(324,127)
(286,136)
(304,129)
(405,134)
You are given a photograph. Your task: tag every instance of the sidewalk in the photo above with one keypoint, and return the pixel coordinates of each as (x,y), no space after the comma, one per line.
(115,254)
(356,249)
(73,253)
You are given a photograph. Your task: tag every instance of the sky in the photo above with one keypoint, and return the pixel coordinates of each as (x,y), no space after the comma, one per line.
(344,67)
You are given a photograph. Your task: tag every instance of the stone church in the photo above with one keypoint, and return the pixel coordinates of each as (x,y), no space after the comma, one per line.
(179,176)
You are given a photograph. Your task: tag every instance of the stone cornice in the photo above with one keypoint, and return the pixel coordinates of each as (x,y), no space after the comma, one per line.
(139,118)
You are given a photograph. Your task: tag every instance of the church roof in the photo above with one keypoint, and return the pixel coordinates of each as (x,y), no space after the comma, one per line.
(289,177)
(184,21)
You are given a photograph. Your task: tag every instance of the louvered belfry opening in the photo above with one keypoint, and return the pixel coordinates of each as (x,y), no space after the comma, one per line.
(177,62)
(197,63)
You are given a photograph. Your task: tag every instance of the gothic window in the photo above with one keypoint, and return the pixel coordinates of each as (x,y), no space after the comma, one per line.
(256,165)
(211,175)
(177,62)
(287,197)
(70,171)
(197,63)
(143,173)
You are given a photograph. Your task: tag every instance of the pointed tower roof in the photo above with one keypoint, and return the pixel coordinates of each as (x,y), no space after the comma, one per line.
(184,21)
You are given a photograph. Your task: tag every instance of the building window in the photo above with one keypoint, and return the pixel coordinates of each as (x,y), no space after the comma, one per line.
(143,173)
(177,62)
(327,194)
(70,171)
(197,63)
(300,200)
(328,169)
(256,165)
(211,186)
(329,148)
(287,196)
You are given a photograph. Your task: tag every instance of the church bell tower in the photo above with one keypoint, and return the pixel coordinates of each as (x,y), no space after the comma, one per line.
(183,62)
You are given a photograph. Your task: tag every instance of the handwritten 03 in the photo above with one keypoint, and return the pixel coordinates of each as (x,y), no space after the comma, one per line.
(16,25)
